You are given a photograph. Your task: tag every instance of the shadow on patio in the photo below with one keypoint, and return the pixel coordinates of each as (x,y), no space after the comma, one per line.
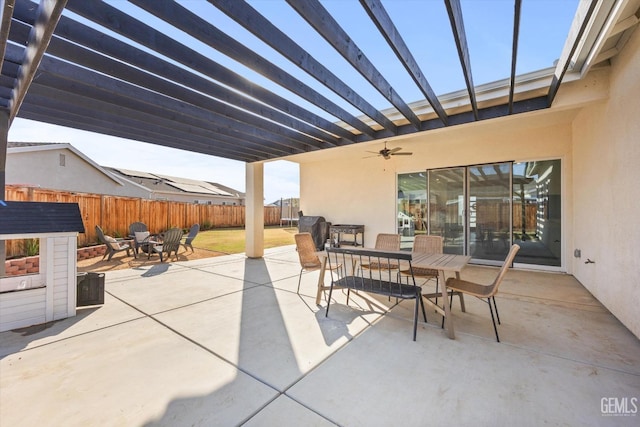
(227,341)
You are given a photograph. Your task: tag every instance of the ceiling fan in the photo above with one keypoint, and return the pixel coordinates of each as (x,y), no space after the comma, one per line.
(387,153)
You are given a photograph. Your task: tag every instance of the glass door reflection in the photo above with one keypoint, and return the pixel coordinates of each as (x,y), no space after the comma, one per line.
(447,208)
(490,210)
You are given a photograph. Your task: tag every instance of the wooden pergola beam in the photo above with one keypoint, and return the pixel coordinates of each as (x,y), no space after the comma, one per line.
(47,16)
(322,21)
(182,18)
(5,24)
(454,9)
(260,27)
(517,8)
(235,107)
(382,20)
(179,128)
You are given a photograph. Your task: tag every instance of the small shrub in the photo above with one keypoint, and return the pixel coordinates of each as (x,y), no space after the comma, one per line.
(31,247)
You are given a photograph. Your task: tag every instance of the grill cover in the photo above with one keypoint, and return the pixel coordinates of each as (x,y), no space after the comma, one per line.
(317,226)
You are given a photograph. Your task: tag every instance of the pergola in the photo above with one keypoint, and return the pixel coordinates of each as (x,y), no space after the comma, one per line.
(93,65)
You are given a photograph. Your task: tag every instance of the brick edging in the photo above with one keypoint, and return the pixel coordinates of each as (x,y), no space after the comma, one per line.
(31,264)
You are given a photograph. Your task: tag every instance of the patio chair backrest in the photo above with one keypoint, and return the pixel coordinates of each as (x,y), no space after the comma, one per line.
(388,242)
(427,244)
(100,234)
(505,267)
(171,239)
(112,245)
(193,232)
(137,226)
(307,251)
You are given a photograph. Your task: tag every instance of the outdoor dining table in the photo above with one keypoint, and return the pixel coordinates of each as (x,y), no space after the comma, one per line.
(441,262)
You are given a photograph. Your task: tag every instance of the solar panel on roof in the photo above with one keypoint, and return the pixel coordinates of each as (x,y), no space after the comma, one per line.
(136,174)
(193,188)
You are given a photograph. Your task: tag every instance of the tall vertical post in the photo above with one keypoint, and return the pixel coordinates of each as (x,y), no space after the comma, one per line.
(254,210)
(4,139)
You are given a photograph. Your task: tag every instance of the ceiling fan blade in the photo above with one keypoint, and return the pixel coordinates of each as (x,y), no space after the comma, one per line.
(393,150)
(401,154)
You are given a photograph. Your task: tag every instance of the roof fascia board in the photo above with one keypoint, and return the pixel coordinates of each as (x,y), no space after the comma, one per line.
(528,82)
(581,29)
(611,27)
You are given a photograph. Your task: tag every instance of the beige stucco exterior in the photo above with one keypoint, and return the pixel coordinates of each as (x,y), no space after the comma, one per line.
(606,199)
(593,128)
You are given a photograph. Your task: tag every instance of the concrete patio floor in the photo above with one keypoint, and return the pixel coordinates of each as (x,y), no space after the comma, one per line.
(227,341)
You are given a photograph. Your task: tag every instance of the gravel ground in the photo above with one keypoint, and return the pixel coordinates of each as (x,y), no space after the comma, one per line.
(121,260)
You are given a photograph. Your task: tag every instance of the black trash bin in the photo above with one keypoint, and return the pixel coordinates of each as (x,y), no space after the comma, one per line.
(90,289)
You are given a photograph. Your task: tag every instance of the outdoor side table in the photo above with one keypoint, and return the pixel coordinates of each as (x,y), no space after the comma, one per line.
(340,229)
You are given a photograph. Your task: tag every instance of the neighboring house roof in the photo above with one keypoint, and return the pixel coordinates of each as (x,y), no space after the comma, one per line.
(22,147)
(154,183)
(39,217)
(288,201)
(172,184)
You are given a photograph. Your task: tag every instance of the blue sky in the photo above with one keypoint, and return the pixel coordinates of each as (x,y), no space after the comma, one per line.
(423,25)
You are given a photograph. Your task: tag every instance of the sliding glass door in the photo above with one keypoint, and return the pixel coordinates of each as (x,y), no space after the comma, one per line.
(489,220)
(537,212)
(481,210)
(470,207)
(447,207)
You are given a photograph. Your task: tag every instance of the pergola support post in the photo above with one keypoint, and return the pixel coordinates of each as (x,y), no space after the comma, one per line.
(4,139)
(254,210)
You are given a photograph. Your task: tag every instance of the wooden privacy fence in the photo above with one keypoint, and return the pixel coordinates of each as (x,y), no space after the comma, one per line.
(114,214)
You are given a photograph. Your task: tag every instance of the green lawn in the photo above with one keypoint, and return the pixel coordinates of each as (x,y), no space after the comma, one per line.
(231,240)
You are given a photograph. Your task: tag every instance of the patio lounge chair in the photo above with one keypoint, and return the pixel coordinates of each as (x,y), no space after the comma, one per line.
(170,243)
(193,232)
(306,248)
(138,231)
(113,245)
(485,291)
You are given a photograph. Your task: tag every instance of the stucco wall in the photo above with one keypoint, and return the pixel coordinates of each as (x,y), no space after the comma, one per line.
(606,153)
(349,187)
(42,168)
